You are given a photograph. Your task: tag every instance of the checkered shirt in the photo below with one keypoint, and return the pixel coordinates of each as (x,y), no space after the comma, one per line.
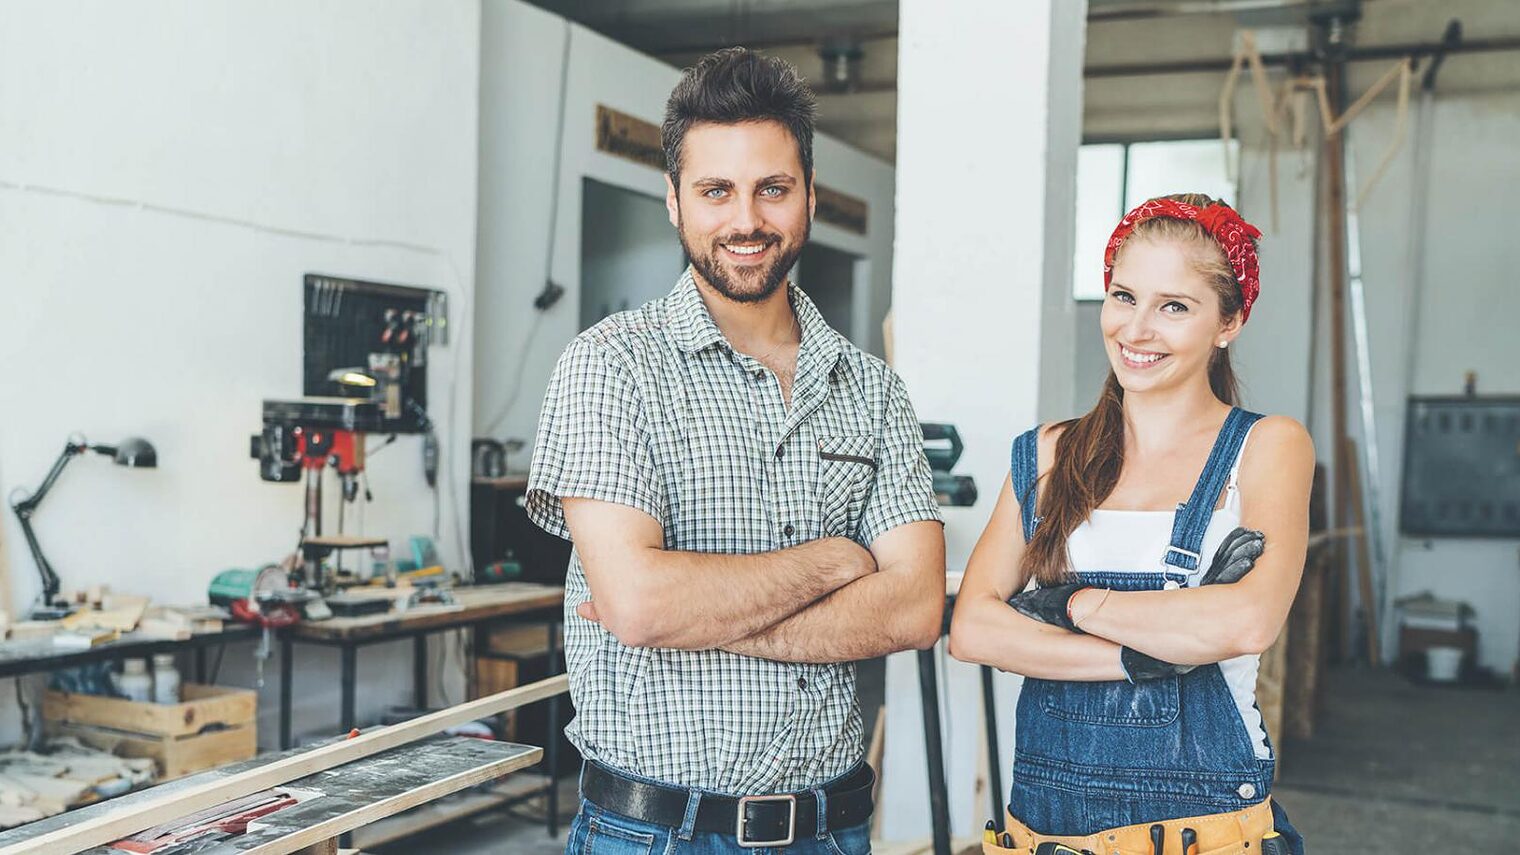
(653,409)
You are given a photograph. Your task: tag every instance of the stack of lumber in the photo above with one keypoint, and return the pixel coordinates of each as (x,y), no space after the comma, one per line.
(33,786)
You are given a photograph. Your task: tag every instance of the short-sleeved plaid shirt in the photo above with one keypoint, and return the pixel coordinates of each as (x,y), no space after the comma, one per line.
(653,409)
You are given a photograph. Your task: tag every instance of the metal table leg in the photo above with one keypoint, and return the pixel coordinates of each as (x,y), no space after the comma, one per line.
(287,653)
(419,671)
(350,666)
(994,757)
(939,808)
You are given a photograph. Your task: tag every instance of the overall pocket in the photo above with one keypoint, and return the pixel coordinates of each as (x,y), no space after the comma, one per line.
(1118,703)
(846,473)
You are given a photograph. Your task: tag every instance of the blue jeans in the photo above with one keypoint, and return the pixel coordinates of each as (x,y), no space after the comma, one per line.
(600,832)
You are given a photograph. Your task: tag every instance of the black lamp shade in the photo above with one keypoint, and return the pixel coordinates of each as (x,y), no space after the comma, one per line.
(136,452)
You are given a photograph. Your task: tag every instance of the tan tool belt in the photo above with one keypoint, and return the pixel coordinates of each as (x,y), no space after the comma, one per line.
(1234,833)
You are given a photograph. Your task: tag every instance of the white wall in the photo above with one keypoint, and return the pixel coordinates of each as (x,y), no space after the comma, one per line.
(627,256)
(141,158)
(1464,322)
(523,52)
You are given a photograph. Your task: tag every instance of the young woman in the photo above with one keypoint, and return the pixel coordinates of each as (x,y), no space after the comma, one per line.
(1139,560)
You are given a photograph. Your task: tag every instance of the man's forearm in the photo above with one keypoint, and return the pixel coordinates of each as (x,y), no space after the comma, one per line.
(882,613)
(699,601)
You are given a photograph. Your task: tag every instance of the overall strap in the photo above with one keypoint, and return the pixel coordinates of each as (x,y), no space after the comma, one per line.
(1025,471)
(1191,521)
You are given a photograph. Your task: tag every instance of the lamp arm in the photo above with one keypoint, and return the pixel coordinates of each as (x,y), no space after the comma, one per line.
(26,507)
(50,581)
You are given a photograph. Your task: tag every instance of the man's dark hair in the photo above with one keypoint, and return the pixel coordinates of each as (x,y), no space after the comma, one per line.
(736,85)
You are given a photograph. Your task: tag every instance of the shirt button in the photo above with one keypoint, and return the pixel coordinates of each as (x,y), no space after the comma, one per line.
(780,452)
(789,531)
(1247,791)
(759,372)
(802,682)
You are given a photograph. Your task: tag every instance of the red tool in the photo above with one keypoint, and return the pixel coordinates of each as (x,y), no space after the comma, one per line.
(231,818)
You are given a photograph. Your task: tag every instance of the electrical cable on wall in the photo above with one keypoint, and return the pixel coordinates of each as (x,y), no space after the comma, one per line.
(552,291)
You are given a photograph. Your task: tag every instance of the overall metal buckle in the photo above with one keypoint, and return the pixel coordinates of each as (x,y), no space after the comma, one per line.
(791,821)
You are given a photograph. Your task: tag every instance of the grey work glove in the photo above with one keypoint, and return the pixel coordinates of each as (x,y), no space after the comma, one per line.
(1050,604)
(1234,559)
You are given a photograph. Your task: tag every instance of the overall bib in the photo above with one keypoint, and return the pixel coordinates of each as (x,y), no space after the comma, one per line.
(1093,756)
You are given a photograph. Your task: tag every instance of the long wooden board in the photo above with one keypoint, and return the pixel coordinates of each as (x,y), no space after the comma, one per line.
(106,828)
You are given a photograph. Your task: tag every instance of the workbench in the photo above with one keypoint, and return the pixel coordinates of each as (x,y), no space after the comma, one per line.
(476,607)
(347,797)
(37,655)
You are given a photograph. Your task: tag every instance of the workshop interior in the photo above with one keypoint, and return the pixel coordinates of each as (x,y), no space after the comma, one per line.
(287,283)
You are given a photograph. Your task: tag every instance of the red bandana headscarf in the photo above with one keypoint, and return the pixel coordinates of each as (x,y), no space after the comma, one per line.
(1233,234)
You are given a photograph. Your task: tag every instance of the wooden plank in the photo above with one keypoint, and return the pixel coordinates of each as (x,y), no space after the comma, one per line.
(1363,559)
(150,812)
(1335,213)
(6,611)
(1270,679)
(841,209)
(629,137)
(1306,647)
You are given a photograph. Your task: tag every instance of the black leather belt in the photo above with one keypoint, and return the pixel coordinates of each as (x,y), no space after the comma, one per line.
(754,821)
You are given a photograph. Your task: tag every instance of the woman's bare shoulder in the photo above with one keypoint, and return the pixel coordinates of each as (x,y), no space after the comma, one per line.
(1279,444)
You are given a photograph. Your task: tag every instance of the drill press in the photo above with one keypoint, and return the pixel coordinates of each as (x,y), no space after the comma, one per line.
(301,438)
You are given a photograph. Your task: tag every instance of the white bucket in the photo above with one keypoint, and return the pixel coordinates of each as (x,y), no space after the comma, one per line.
(1443,663)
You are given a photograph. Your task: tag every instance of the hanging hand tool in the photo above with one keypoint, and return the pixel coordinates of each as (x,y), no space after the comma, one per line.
(1189,842)
(1158,839)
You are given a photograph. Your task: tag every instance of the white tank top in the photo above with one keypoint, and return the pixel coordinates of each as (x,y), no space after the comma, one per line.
(1110,540)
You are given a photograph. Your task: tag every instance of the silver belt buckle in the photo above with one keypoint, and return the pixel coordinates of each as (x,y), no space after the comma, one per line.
(791,822)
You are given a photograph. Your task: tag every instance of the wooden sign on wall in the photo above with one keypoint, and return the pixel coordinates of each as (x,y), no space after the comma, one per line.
(632,138)
(629,137)
(841,209)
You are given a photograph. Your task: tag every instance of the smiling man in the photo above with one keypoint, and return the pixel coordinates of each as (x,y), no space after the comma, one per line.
(750,506)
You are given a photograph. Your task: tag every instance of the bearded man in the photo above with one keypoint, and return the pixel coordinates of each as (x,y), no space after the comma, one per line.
(750,507)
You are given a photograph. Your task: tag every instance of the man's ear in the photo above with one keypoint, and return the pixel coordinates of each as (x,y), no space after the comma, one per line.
(672,205)
(812,194)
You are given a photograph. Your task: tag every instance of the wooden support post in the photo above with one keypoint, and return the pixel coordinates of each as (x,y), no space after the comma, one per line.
(1335,214)
(113,826)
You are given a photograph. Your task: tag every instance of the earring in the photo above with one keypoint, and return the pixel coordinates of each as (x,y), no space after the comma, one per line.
(1223,345)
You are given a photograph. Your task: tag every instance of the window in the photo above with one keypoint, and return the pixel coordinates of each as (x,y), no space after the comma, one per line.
(1112,178)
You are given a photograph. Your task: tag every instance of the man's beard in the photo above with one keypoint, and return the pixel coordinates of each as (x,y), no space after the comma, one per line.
(745,285)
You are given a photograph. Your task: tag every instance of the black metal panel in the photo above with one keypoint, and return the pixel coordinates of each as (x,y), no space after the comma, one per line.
(1462,467)
(344,321)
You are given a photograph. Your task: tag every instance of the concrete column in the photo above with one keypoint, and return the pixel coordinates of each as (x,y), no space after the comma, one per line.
(989,120)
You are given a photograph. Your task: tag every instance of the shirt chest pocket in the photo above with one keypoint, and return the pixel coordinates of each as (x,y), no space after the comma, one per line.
(846,473)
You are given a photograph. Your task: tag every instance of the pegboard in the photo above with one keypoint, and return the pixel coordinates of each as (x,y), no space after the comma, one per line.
(1462,467)
(345,320)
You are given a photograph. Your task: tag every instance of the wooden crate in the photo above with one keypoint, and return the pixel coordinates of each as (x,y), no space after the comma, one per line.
(497,675)
(212,726)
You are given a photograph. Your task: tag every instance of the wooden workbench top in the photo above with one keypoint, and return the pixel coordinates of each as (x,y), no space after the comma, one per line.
(474,603)
(347,797)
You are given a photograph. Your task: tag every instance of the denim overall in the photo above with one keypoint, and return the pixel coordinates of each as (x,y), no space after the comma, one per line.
(1091,756)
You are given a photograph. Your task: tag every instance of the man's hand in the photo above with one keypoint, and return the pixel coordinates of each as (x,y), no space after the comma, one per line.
(1234,559)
